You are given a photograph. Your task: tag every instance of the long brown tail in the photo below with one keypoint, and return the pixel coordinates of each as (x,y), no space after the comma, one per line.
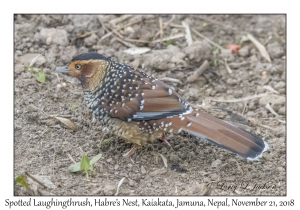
(222,133)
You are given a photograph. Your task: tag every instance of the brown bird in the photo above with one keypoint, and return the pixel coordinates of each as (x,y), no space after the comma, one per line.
(141,109)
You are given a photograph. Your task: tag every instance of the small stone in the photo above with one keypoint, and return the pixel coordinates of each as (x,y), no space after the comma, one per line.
(216,163)
(109,160)
(109,189)
(143,170)
(250,114)
(91,40)
(282,110)
(279,85)
(244,51)
(131,183)
(275,50)
(19,52)
(231,81)
(49,40)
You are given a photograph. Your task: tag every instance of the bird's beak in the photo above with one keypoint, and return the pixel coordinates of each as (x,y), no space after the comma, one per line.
(62,69)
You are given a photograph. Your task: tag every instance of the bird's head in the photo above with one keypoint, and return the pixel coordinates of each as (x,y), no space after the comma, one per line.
(89,68)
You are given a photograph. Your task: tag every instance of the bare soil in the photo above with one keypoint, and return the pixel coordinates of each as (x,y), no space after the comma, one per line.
(44,147)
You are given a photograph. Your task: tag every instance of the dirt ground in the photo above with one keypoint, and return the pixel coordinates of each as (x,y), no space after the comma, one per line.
(44,147)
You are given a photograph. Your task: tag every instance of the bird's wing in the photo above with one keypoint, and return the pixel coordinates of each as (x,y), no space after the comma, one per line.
(137,96)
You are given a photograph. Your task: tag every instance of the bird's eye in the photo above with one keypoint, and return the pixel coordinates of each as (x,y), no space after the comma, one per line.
(77,66)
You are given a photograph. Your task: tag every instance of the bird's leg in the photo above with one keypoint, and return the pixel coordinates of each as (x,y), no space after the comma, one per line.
(163,139)
(130,152)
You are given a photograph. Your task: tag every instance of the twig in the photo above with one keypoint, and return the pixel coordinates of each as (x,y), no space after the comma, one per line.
(34,179)
(71,158)
(198,72)
(265,126)
(137,40)
(176,36)
(240,99)
(119,19)
(165,25)
(227,67)
(126,43)
(216,22)
(106,35)
(207,39)
(176,25)
(168,79)
(88,33)
(132,23)
(161,28)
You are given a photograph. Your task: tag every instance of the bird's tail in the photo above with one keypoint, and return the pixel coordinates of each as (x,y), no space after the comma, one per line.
(221,133)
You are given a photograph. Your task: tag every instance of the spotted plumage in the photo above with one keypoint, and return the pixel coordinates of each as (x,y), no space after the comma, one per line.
(140,108)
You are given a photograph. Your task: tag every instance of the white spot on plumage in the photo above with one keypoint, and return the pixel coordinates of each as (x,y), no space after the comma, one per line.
(129,119)
(116,111)
(141,107)
(189,124)
(179,130)
(170,91)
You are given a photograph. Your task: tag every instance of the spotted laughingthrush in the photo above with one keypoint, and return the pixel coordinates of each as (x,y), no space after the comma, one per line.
(140,108)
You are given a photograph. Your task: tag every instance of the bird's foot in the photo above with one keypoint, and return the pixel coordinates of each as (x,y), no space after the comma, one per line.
(163,139)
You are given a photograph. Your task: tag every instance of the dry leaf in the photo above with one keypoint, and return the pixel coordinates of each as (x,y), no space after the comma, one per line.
(34,60)
(268,107)
(119,185)
(164,159)
(68,123)
(227,67)
(260,48)
(188,35)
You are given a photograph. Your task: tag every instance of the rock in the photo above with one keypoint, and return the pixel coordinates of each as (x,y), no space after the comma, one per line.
(227,54)
(275,50)
(244,51)
(216,163)
(275,101)
(198,51)
(280,85)
(231,81)
(58,36)
(109,189)
(91,40)
(282,110)
(86,22)
(165,59)
(27,58)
